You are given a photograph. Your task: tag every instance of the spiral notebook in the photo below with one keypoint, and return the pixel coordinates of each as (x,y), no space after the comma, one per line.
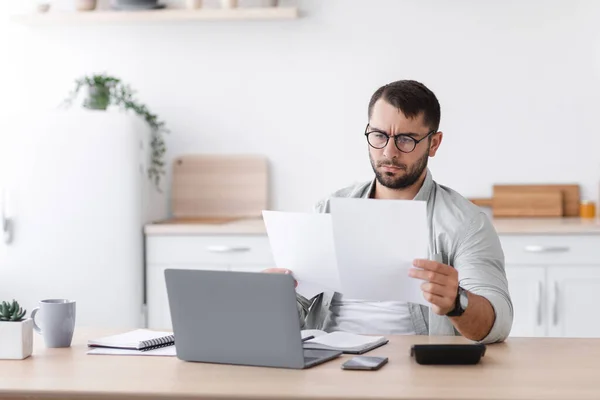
(139,339)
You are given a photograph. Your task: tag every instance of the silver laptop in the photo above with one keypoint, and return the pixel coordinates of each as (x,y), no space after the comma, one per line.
(243,318)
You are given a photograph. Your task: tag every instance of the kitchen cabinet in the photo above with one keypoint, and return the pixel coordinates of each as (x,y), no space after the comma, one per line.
(572,308)
(553,280)
(526,286)
(238,252)
(553,277)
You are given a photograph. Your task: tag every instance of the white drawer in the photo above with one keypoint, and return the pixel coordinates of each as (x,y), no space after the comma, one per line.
(209,249)
(551,249)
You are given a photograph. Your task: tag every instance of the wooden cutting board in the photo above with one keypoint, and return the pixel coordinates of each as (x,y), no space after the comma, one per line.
(547,203)
(219,187)
(570,196)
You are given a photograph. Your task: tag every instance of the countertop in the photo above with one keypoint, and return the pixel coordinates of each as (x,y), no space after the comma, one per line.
(504,226)
(520,368)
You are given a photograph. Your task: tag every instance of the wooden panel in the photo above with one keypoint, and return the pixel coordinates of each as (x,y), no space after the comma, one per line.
(219,186)
(571,195)
(534,204)
(481,202)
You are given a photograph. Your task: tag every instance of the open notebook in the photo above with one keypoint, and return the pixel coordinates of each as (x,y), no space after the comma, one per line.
(349,343)
(139,341)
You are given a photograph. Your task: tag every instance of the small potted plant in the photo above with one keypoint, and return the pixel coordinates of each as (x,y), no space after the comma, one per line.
(104,91)
(16,332)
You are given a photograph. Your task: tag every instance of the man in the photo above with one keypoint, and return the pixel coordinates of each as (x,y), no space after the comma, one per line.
(464,278)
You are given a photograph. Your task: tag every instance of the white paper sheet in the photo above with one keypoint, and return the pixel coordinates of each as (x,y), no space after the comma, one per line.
(376,242)
(303,243)
(169,351)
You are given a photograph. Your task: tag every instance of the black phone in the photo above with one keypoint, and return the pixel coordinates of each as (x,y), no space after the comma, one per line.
(368,363)
(448,354)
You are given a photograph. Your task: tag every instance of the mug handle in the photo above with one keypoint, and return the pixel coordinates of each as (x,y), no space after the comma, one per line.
(35,326)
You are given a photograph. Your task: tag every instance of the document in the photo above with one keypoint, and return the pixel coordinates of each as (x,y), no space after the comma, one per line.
(376,242)
(362,249)
(303,243)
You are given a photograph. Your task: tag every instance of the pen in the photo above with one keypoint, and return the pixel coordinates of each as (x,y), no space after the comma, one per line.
(308,338)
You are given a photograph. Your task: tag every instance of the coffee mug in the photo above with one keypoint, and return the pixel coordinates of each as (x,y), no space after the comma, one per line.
(57,321)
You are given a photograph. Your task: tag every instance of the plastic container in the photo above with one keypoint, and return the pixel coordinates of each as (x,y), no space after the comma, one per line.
(587,209)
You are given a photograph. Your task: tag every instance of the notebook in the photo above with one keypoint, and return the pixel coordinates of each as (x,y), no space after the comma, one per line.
(139,340)
(349,343)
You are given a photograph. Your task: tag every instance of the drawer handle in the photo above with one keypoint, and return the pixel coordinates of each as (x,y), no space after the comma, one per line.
(555,306)
(546,249)
(227,249)
(539,303)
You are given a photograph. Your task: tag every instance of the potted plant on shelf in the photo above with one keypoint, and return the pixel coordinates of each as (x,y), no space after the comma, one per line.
(104,91)
(16,332)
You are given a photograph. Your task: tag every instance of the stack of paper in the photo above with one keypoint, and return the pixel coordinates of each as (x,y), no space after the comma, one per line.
(363,249)
(162,351)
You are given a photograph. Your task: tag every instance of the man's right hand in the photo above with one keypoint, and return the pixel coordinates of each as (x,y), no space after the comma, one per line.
(280,271)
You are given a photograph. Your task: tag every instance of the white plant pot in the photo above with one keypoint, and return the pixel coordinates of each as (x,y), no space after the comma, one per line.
(16,339)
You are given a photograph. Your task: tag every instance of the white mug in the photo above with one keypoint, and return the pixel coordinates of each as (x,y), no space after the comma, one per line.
(57,321)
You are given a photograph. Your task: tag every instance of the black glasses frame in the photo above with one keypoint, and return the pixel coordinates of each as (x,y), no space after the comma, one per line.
(401,136)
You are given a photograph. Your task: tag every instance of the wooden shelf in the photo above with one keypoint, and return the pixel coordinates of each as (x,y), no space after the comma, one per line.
(165,15)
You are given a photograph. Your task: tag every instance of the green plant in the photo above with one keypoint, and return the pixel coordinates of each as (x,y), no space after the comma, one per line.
(11,311)
(104,91)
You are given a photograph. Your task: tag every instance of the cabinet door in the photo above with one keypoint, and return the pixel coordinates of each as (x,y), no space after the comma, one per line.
(526,285)
(157,302)
(573,301)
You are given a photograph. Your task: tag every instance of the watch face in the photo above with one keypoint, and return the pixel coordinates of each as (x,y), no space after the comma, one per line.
(464,299)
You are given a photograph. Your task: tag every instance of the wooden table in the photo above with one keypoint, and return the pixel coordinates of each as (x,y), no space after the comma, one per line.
(522,368)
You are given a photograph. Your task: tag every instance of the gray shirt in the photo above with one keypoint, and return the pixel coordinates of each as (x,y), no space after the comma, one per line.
(462,236)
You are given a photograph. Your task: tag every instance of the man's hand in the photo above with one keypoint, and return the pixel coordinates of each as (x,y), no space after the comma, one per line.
(441,286)
(280,271)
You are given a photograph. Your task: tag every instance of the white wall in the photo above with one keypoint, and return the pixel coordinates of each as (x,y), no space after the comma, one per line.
(517,81)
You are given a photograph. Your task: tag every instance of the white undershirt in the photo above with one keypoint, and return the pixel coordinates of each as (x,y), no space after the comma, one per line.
(369,317)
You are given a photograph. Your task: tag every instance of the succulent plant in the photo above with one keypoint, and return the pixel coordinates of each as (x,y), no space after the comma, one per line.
(11,311)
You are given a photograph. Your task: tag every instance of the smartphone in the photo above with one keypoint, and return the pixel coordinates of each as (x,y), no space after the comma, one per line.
(367,363)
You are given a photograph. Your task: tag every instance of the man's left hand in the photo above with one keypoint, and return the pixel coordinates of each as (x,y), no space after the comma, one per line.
(441,284)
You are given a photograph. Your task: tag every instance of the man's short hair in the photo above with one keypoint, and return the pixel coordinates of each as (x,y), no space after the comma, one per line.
(412,98)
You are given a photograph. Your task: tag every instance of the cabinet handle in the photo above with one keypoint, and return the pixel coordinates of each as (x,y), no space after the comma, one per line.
(546,249)
(555,305)
(539,303)
(6,223)
(227,249)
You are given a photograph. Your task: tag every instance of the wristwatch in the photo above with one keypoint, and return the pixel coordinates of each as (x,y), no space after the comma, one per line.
(460,304)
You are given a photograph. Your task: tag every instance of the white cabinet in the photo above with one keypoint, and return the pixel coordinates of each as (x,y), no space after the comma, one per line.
(250,253)
(573,301)
(526,286)
(552,281)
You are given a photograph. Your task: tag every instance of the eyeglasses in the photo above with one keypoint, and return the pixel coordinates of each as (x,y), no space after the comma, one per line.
(404,143)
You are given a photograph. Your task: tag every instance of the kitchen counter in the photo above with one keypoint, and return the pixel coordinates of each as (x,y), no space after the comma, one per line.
(504,226)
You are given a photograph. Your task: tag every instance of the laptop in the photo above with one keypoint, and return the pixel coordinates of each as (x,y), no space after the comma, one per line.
(241,318)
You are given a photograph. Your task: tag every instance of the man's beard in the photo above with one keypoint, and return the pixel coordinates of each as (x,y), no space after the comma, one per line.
(411,176)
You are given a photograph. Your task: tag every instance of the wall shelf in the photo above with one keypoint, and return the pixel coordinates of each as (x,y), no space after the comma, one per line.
(165,15)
